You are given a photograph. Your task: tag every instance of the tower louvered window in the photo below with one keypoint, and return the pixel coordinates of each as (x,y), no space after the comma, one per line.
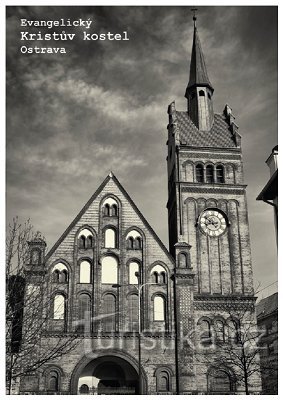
(209,174)
(199,173)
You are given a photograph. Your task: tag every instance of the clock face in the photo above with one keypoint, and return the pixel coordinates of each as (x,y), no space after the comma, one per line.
(212,222)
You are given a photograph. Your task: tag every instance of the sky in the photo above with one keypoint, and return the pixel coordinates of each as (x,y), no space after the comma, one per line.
(72,118)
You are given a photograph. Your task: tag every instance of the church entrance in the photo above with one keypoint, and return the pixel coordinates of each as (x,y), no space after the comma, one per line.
(109,375)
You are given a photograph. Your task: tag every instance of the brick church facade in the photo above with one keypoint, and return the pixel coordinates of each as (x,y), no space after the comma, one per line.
(144,319)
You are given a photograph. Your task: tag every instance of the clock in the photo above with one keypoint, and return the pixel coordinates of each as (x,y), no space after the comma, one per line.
(212,222)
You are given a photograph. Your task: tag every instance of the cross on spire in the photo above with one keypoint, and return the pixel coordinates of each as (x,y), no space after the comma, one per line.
(194,15)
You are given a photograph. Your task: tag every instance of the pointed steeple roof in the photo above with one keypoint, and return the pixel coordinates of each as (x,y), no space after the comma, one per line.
(198,72)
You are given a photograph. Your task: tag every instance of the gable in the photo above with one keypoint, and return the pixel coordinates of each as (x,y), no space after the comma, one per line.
(89,216)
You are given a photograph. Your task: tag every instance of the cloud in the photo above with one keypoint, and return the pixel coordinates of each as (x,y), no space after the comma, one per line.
(70,119)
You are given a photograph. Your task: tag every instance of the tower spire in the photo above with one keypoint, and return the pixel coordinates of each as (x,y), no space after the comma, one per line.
(199,90)
(194,16)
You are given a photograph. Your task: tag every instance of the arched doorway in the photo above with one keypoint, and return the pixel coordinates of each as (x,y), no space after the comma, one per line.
(111,375)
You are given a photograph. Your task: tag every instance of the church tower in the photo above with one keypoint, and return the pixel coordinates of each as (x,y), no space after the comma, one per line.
(207,195)
(208,226)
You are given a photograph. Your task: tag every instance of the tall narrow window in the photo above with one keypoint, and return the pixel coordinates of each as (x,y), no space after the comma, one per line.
(59,307)
(109,311)
(134,268)
(219,174)
(199,173)
(159,308)
(138,243)
(110,238)
(233,331)
(163,382)
(209,174)
(85,272)
(162,277)
(114,210)
(63,278)
(106,210)
(182,260)
(35,256)
(155,277)
(109,270)
(130,242)
(133,312)
(201,93)
(220,330)
(89,242)
(55,276)
(81,242)
(53,382)
(205,335)
(84,313)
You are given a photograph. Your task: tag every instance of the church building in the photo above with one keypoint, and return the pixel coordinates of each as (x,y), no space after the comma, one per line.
(144,319)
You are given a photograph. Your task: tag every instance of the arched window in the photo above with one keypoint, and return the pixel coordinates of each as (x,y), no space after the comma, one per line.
(182,260)
(106,210)
(59,307)
(133,312)
(114,210)
(219,174)
(84,313)
(134,240)
(159,308)
(109,308)
(85,272)
(81,242)
(109,269)
(84,389)
(155,277)
(55,276)
(110,238)
(130,242)
(134,268)
(35,257)
(205,332)
(219,330)
(209,174)
(162,277)
(109,207)
(89,242)
(199,173)
(233,331)
(138,243)
(59,273)
(63,278)
(163,381)
(201,93)
(219,381)
(156,272)
(53,381)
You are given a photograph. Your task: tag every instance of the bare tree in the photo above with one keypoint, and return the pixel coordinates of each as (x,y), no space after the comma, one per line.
(236,343)
(26,304)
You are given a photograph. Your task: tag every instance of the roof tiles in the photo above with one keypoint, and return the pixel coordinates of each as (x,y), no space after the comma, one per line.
(219,135)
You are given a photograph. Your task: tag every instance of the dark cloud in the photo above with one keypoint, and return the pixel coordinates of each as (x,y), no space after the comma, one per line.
(103,106)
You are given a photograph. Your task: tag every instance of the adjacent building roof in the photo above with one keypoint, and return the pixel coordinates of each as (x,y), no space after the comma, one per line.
(267,306)
(270,190)
(220,134)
